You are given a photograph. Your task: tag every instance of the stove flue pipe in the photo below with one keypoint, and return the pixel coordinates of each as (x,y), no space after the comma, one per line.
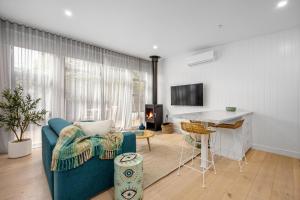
(154,60)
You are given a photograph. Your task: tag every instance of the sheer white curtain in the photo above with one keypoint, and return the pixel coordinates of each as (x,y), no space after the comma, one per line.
(83,82)
(76,81)
(118,87)
(145,75)
(5,79)
(29,59)
(35,71)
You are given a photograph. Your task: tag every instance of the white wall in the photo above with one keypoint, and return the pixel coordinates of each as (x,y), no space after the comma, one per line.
(261,74)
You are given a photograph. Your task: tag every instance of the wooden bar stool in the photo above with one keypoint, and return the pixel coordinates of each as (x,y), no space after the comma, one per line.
(235,127)
(194,131)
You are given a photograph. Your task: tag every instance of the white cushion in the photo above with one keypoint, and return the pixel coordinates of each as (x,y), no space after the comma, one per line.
(97,127)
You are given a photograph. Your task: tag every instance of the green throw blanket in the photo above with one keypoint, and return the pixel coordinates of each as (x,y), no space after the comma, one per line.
(73,148)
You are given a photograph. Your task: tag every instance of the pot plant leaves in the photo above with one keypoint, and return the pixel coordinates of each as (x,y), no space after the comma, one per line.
(18,111)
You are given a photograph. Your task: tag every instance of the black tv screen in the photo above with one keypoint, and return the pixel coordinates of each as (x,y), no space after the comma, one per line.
(187,95)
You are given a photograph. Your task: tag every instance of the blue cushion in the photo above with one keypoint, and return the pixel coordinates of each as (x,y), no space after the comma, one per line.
(57,124)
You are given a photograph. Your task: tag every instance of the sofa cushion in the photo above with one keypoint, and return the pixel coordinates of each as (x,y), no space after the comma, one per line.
(97,127)
(57,124)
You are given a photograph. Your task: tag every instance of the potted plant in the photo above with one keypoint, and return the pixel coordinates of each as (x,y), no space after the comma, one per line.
(17,112)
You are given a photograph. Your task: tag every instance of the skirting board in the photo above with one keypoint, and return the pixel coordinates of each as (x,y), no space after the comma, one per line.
(283,152)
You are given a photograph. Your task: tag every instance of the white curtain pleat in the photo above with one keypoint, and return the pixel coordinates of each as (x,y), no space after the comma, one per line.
(83,89)
(5,78)
(74,80)
(117,100)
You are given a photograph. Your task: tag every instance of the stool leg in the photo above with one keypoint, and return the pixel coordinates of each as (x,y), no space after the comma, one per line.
(244,155)
(220,143)
(180,160)
(194,144)
(240,141)
(213,161)
(243,152)
(212,144)
(203,179)
(241,166)
(245,158)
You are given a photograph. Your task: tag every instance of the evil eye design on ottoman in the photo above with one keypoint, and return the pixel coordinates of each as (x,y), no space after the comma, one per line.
(129,194)
(128,173)
(127,157)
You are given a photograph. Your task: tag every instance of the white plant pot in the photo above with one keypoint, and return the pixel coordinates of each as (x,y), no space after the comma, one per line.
(19,149)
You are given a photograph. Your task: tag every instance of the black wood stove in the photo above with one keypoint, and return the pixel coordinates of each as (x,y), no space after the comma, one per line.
(154,112)
(153,116)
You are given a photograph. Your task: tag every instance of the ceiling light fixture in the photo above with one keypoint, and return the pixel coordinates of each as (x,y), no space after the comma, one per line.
(155,47)
(68,13)
(282,3)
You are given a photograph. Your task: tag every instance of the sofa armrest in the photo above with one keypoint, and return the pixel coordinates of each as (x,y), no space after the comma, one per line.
(48,143)
(129,142)
(50,135)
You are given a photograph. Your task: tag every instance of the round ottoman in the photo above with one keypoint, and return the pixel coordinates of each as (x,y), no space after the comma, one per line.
(128,176)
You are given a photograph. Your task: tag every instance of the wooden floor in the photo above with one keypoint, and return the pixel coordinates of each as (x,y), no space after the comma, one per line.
(267,176)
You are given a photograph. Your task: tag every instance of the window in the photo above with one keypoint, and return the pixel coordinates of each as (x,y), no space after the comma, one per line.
(33,70)
(78,89)
(82,89)
(138,103)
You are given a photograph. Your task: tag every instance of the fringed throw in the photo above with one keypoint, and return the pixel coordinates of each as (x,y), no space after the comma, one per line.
(73,148)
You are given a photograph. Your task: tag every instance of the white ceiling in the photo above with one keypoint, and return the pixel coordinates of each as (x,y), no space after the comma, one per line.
(134,26)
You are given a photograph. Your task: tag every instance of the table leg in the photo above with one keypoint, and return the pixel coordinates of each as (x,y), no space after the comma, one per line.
(204,150)
(148,140)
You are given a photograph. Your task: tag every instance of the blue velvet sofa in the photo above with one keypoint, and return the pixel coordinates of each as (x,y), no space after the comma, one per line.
(82,182)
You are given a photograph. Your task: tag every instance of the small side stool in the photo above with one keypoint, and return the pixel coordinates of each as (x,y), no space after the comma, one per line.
(195,130)
(128,176)
(236,127)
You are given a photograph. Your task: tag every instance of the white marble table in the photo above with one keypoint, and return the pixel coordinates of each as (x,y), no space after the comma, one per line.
(213,116)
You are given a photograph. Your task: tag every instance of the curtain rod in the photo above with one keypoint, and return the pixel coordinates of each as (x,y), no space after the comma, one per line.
(69,38)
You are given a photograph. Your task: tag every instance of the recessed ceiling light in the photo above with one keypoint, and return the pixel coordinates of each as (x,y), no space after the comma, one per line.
(155,47)
(282,3)
(220,26)
(68,13)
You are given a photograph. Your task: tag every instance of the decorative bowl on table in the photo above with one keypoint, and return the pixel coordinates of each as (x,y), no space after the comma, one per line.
(230,109)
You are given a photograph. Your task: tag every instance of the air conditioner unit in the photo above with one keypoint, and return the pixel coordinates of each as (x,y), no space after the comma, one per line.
(200,58)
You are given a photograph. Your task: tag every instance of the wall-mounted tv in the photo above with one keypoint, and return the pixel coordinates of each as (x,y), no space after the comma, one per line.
(187,95)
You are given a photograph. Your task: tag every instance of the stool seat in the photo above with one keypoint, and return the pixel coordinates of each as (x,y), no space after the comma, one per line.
(195,127)
(236,125)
